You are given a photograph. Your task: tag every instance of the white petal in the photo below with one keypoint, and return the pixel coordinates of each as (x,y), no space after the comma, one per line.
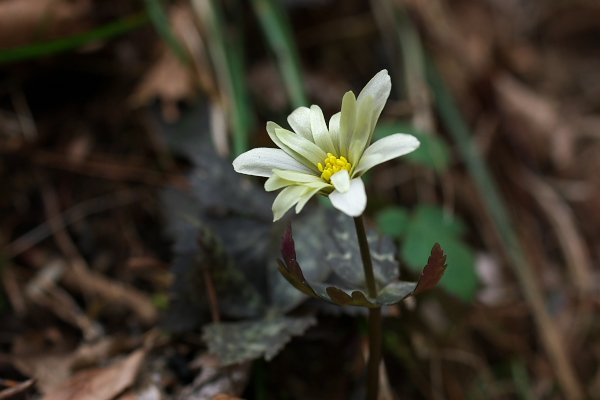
(299,120)
(276,182)
(261,162)
(287,199)
(305,198)
(341,181)
(379,88)
(304,147)
(271,128)
(353,202)
(362,132)
(347,122)
(385,149)
(295,176)
(334,131)
(319,130)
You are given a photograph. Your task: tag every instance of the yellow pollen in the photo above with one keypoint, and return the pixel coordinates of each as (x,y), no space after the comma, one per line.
(333,165)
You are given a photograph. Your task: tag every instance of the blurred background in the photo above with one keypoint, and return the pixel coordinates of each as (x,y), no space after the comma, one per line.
(125,236)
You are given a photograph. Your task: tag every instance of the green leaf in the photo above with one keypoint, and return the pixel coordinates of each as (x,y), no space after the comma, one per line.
(278,32)
(461,278)
(43,49)
(429,224)
(236,342)
(160,20)
(392,221)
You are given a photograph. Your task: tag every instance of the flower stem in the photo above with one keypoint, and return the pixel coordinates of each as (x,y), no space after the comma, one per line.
(374,313)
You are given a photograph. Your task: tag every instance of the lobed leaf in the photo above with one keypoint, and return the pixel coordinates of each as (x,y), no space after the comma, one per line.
(433,271)
(236,342)
(392,293)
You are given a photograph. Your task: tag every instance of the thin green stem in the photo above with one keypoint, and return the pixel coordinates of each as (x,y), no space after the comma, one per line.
(374,313)
(365,254)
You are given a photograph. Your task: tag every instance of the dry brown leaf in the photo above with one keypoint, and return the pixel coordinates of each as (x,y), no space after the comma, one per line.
(50,357)
(224,396)
(215,380)
(44,355)
(168,80)
(100,383)
(541,125)
(22,22)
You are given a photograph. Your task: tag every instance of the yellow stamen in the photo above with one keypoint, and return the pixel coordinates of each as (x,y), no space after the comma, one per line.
(332,166)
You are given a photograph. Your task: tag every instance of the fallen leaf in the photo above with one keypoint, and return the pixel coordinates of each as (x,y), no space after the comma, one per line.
(23,22)
(224,396)
(100,383)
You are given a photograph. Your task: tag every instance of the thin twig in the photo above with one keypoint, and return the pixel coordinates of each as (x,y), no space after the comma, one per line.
(70,216)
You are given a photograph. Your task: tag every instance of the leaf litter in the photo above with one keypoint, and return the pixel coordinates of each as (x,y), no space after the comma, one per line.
(525,75)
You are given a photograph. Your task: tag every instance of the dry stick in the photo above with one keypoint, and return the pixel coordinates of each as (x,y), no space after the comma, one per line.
(70,216)
(503,225)
(79,275)
(13,390)
(374,313)
(561,217)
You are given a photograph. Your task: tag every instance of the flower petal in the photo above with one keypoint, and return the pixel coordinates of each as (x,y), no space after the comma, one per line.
(353,202)
(272,127)
(385,149)
(261,161)
(286,199)
(275,182)
(362,131)
(347,122)
(305,198)
(304,147)
(334,131)
(341,181)
(299,120)
(320,131)
(296,176)
(379,88)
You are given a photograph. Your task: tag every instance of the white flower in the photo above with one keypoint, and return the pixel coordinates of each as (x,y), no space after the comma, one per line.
(315,158)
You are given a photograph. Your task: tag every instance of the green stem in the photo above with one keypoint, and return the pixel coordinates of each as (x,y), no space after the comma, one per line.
(365,254)
(374,313)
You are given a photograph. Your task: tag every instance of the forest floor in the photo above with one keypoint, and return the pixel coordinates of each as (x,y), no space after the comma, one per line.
(117,118)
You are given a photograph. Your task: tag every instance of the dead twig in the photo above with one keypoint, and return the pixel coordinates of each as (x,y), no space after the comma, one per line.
(559,214)
(14,388)
(72,215)
(91,283)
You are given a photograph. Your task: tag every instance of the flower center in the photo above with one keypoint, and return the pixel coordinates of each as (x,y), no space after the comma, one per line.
(332,166)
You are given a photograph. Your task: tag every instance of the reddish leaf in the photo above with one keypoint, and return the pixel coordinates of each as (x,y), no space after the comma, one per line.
(433,271)
(338,296)
(288,249)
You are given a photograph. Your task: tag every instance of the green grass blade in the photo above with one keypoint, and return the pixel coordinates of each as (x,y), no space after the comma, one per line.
(276,27)
(160,20)
(48,48)
(546,329)
(226,53)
